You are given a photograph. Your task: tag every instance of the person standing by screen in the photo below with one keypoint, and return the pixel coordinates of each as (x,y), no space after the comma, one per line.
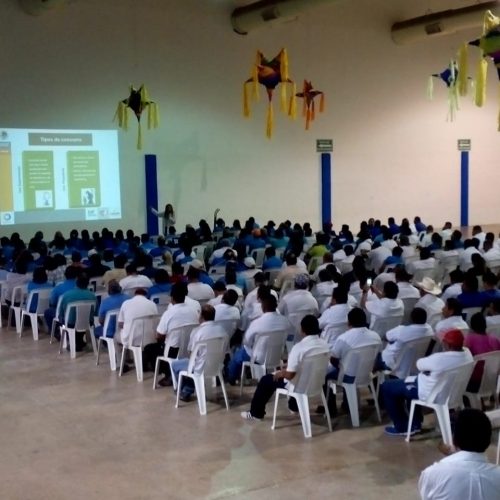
(168,216)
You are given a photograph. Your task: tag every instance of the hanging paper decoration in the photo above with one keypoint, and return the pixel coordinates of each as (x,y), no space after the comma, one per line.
(489,43)
(138,100)
(450,76)
(308,107)
(270,73)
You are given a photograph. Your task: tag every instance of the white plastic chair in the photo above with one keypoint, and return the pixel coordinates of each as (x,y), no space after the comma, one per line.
(229,326)
(493,330)
(309,383)
(183,334)
(272,344)
(494,416)
(357,363)
(214,351)
(83,312)
(446,395)
(331,332)
(382,325)
(110,341)
(43,296)
(489,379)
(258,255)
(295,318)
(162,301)
(142,332)
(468,312)
(446,264)
(199,251)
(55,321)
(17,299)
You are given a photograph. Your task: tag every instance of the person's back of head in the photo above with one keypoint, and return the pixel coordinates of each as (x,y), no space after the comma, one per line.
(269,303)
(324,276)
(207,312)
(70,273)
(495,305)
(449,246)
(263,291)
(391,290)
(259,278)
(161,277)
(425,253)
(397,252)
(76,257)
(291,259)
(310,325)
(472,431)
(349,250)
(490,279)
(178,293)
(470,283)
(230,297)
(487,245)
(82,281)
(475,243)
(193,274)
(114,287)
(141,291)
(356,318)
(144,238)
(230,277)
(418,316)
(478,323)
(95,259)
(476,230)
(456,276)
(301,282)
(340,295)
(454,307)
(120,261)
(219,287)
(131,269)
(39,275)
(270,252)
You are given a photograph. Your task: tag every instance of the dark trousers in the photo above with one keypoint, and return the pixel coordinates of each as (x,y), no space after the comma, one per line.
(397,396)
(152,351)
(264,392)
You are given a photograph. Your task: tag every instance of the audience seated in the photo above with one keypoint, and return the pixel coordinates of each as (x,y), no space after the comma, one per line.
(114,300)
(452,319)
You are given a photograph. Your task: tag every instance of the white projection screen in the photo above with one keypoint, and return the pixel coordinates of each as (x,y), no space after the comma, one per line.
(58,176)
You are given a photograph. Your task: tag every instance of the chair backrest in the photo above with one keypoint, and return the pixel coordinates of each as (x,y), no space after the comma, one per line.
(287,286)
(468,312)
(409,304)
(406,362)
(314,263)
(18,294)
(113,313)
(494,330)
(450,386)
(297,316)
(258,256)
(420,274)
(43,296)
(143,330)
(312,372)
(229,326)
(331,332)
(272,345)
(182,333)
(213,351)
(162,301)
(358,363)
(491,370)
(199,250)
(382,325)
(83,313)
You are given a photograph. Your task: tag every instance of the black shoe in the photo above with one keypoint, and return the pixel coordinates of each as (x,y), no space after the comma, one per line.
(166,382)
(185,397)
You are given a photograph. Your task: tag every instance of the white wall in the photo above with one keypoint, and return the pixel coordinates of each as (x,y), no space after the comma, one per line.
(394,152)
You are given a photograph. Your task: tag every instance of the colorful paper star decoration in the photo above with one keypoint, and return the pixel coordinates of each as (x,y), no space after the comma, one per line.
(308,108)
(489,43)
(270,73)
(138,100)
(450,76)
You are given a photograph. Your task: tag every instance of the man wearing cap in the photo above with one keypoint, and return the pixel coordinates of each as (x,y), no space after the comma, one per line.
(299,299)
(397,393)
(429,299)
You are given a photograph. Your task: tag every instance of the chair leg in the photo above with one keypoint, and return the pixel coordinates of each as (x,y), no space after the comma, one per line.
(275,409)
(61,340)
(181,375)
(375,399)
(138,363)
(498,449)
(242,378)
(92,339)
(34,324)
(112,355)
(199,386)
(72,342)
(305,417)
(122,361)
(475,400)
(223,387)
(155,377)
(99,342)
(327,411)
(352,401)
(380,381)
(172,376)
(443,417)
(19,325)
(410,421)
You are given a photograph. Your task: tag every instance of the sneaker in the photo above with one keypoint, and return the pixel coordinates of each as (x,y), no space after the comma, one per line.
(246,415)
(392,431)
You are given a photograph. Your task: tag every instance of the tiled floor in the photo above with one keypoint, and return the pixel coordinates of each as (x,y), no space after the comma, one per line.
(71,429)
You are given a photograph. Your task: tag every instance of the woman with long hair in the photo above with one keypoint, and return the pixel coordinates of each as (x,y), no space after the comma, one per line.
(167,216)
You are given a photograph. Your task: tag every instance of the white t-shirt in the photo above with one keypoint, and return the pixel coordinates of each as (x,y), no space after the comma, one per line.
(407,291)
(385,307)
(464,475)
(432,304)
(133,308)
(466,258)
(297,301)
(452,292)
(200,291)
(399,336)
(175,316)
(435,364)
(334,315)
(225,311)
(135,281)
(352,338)
(449,324)
(206,331)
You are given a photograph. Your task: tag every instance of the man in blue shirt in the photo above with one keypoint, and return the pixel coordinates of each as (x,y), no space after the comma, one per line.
(114,301)
(470,296)
(270,260)
(70,274)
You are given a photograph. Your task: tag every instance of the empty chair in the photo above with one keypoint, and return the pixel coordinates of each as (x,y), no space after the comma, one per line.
(488,387)
(446,264)
(17,298)
(41,297)
(357,365)
(181,334)
(272,345)
(446,395)
(213,352)
(142,332)
(382,325)
(494,330)
(309,384)
(109,340)
(83,313)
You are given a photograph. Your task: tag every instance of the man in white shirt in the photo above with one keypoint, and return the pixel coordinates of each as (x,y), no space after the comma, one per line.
(254,308)
(470,247)
(399,336)
(491,253)
(227,308)
(178,314)
(310,344)
(387,303)
(405,289)
(426,265)
(452,314)
(196,289)
(207,330)
(455,287)
(466,474)
(289,270)
(333,322)
(270,321)
(134,280)
(493,318)
(299,299)
(397,394)
(479,235)
(429,300)
(377,256)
